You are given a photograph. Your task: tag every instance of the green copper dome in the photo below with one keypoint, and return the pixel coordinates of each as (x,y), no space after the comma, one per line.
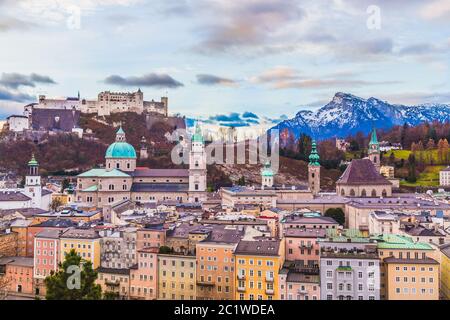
(120,149)
(33,161)
(197,137)
(314,156)
(373,138)
(267,171)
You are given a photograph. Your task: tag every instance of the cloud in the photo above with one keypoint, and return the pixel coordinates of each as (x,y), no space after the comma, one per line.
(425,48)
(246,24)
(279,73)
(418,98)
(248,114)
(10,23)
(212,80)
(159,80)
(15,80)
(288,78)
(436,9)
(9,95)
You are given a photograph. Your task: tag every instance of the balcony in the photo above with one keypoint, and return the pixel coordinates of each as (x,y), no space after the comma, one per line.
(269,291)
(302,291)
(205,283)
(113,283)
(269,279)
(240,289)
(241,276)
(305,246)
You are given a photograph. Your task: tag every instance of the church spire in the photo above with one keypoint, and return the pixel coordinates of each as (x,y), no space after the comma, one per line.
(314,156)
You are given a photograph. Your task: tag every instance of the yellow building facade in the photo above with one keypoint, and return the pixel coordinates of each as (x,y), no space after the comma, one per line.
(445,271)
(257,265)
(176,277)
(408,269)
(86,242)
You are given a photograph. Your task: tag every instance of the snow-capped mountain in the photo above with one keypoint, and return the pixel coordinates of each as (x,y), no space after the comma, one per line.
(347,114)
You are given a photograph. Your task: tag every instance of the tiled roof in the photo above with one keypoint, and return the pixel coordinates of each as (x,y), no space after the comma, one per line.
(258,248)
(56,223)
(13,196)
(445,249)
(305,233)
(410,261)
(157,173)
(17,261)
(80,234)
(362,172)
(49,234)
(159,187)
(393,241)
(103,173)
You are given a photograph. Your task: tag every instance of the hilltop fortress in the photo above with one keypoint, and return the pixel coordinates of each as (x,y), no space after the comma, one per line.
(107,103)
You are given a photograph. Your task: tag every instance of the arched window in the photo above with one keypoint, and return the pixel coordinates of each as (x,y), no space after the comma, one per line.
(384,193)
(352,193)
(342,192)
(375,159)
(374,193)
(363,193)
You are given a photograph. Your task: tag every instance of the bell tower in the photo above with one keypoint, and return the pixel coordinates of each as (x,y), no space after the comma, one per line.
(33,188)
(197,167)
(314,170)
(374,150)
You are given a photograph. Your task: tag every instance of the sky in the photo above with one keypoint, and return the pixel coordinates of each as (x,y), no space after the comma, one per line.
(220,58)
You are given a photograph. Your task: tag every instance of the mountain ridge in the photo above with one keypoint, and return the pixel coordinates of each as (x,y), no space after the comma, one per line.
(346,114)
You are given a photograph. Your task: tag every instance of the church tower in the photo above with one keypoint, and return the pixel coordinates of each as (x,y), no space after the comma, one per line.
(374,150)
(33,188)
(267,175)
(314,170)
(197,167)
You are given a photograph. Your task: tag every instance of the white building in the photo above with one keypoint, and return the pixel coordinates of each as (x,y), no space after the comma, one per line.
(31,196)
(107,102)
(18,123)
(383,222)
(444,177)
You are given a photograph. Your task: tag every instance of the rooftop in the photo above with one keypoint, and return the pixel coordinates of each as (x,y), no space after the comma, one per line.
(258,248)
(13,196)
(305,233)
(147,172)
(80,234)
(362,172)
(103,173)
(393,241)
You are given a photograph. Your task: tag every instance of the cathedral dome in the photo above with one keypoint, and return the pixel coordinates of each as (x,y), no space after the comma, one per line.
(120,149)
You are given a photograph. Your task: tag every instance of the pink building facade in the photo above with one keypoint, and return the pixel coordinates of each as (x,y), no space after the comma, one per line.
(144,276)
(302,245)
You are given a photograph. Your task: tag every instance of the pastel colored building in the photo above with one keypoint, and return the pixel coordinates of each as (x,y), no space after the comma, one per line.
(176,277)
(408,269)
(445,271)
(17,273)
(299,283)
(144,275)
(20,226)
(215,265)
(51,224)
(46,256)
(257,264)
(302,245)
(86,242)
(114,281)
(151,236)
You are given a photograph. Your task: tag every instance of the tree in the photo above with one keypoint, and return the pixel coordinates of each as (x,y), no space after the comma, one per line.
(241,181)
(75,280)
(337,214)
(411,169)
(65,185)
(165,250)
(56,203)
